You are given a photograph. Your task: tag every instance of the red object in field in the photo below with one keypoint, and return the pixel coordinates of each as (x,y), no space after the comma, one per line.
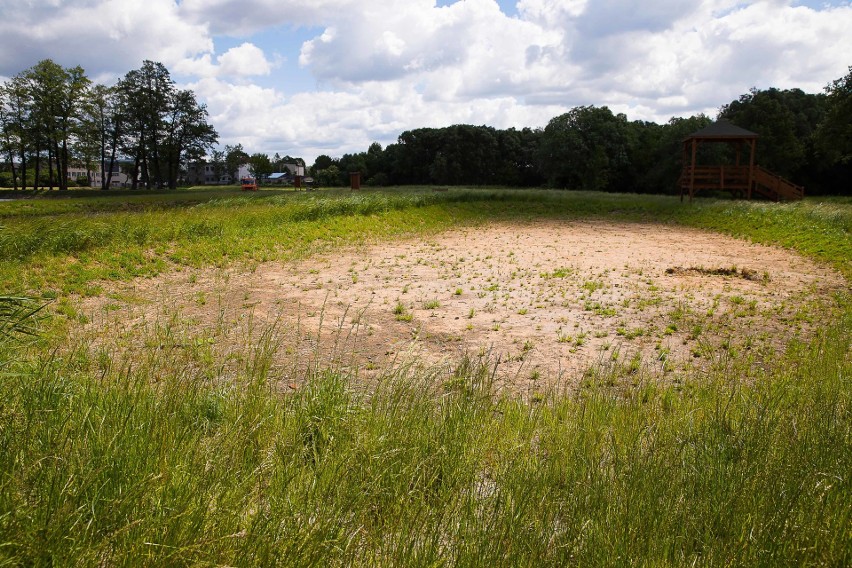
(248,184)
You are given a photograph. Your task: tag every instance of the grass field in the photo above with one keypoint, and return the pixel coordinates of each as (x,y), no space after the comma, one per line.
(159,457)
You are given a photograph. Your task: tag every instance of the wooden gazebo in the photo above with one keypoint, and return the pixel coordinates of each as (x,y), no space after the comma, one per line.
(739,178)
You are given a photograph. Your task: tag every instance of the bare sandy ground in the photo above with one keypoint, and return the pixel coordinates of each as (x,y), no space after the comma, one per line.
(547,300)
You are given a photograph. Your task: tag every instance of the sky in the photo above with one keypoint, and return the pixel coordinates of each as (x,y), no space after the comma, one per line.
(311,77)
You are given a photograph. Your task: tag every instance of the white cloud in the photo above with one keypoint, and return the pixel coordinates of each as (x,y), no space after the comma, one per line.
(384,66)
(466,49)
(245,60)
(335,122)
(102,36)
(248,16)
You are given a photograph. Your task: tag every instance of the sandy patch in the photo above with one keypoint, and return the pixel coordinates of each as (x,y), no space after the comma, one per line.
(547,299)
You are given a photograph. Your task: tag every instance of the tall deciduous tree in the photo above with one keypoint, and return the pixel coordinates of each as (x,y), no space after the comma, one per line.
(16,104)
(90,145)
(260,166)
(147,92)
(217,160)
(834,135)
(58,96)
(163,127)
(188,135)
(784,120)
(586,148)
(658,152)
(235,157)
(322,162)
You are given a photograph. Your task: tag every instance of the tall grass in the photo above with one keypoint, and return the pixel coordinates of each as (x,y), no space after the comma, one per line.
(156,461)
(17,315)
(171,453)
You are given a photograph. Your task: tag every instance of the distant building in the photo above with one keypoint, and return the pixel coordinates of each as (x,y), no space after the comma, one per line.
(279,177)
(202,173)
(119,177)
(294,169)
(244,172)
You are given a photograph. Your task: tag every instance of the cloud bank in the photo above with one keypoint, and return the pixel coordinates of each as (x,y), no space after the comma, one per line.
(379,67)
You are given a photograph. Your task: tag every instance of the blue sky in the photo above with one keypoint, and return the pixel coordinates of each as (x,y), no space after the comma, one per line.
(331,76)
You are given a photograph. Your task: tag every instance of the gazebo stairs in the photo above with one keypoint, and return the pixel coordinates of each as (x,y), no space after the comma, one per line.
(775,187)
(735,179)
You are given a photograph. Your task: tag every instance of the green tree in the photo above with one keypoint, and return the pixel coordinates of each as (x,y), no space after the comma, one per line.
(657,156)
(516,159)
(217,160)
(353,163)
(90,146)
(329,177)
(322,162)
(235,157)
(188,136)
(834,134)
(15,108)
(415,155)
(377,165)
(58,97)
(260,166)
(586,148)
(147,94)
(785,120)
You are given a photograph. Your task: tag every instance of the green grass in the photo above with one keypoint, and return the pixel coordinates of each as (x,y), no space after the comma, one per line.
(63,245)
(178,453)
(154,462)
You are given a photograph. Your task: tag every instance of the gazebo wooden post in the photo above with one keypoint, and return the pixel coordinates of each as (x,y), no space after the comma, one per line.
(682,181)
(752,143)
(692,169)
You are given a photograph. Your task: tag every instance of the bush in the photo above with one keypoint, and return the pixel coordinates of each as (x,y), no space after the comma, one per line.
(82,182)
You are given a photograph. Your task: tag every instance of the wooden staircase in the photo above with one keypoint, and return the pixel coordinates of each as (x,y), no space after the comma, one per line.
(736,180)
(775,187)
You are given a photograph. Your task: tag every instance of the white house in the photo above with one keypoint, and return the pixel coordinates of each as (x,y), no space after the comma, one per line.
(118,179)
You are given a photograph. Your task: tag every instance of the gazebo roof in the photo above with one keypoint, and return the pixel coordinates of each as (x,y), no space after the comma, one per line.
(722,129)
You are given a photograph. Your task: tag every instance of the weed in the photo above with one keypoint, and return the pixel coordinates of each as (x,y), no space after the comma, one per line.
(401,313)
(557,273)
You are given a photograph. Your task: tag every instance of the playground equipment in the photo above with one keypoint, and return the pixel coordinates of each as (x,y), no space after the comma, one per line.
(248,184)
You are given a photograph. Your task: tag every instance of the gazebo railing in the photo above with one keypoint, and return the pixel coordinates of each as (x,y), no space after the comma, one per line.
(782,188)
(715,177)
(736,178)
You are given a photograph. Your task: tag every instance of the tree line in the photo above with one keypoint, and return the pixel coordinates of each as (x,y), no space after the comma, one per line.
(53,118)
(804,137)
(227,162)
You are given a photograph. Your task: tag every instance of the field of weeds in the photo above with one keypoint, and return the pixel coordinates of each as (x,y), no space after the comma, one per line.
(153,409)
